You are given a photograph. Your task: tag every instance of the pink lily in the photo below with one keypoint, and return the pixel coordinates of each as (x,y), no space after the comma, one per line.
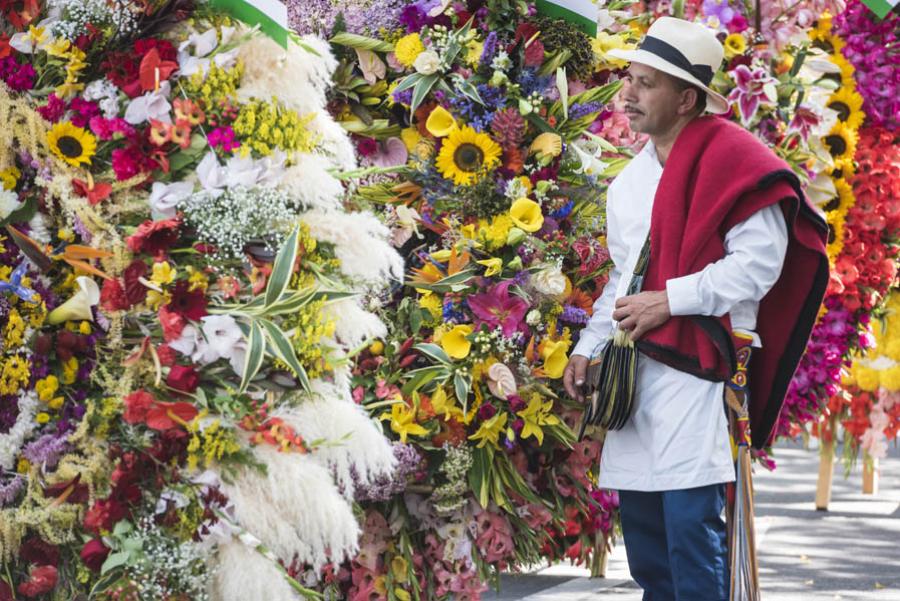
(752,87)
(497,308)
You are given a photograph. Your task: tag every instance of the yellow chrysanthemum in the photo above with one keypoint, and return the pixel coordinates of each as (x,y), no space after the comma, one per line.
(72,144)
(841,141)
(735,45)
(466,154)
(9,177)
(526,214)
(848,103)
(408,48)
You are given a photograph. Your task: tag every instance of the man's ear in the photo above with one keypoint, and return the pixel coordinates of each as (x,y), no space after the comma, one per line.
(689,100)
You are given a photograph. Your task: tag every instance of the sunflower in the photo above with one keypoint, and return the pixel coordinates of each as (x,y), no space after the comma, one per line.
(846,67)
(72,144)
(465,154)
(847,102)
(842,201)
(822,30)
(841,141)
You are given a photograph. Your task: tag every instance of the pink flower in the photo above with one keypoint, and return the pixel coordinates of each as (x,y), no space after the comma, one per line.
(494,537)
(497,308)
(750,90)
(223,137)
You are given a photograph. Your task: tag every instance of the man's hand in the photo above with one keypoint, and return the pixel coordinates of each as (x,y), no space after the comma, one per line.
(574,375)
(642,312)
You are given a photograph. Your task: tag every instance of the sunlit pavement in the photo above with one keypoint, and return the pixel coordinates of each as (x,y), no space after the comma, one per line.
(850,552)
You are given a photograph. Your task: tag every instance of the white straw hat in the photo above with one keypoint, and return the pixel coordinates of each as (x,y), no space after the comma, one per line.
(686,50)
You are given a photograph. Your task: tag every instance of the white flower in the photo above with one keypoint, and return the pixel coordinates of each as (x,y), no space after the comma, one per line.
(439,8)
(427,62)
(533,317)
(193,54)
(11,441)
(211,174)
(9,202)
(549,280)
(589,156)
(187,342)
(164,198)
(222,334)
(107,95)
(152,105)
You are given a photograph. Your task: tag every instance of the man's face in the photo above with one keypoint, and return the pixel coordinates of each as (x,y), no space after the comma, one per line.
(651,99)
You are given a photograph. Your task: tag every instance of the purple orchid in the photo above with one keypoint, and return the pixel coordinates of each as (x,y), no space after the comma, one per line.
(752,88)
(719,10)
(498,309)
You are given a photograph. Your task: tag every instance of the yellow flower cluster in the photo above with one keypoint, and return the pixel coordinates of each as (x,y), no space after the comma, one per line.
(9,177)
(311,325)
(14,330)
(494,233)
(47,389)
(15,371)
(408,48)
(881,367)
(263,126)
(217,84)
(841,140)
(74,57)
(210,444)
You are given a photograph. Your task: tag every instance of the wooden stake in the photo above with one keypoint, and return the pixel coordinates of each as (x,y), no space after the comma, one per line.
(826,474)
(870,475)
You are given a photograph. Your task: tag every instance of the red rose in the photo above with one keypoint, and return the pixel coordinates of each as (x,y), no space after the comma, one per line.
(172,324)
(154,237)
(112,296)
(165,416)
(183,378)
(166,355)
(36,551)
(135,291)
(190,304)
(43,579)
(94,553)
(137,404)
(103,515)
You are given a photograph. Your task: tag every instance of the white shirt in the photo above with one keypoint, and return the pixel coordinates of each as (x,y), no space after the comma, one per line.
(677,436)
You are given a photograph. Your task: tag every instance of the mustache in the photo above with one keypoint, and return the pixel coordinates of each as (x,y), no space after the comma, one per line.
(631,107)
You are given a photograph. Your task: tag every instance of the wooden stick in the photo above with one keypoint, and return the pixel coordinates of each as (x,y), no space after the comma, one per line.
(870,475)
(826,474)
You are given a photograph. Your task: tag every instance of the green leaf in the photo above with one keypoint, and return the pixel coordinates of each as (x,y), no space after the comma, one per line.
(540,123)
(480,474)
(435,352)
(451,283)
(461,386)
(352,40)
(421,90)
(114,560)
(284,266)
(283,349)
(408,82)
(256,350)
(419,378)
(563,86)
(468,89)
(415,320)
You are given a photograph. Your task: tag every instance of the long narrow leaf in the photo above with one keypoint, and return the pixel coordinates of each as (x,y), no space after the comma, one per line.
(256,350)
(435,352)
(421,90)
(461,386)
(408,82)
(283,349)
(419,378)
(284,266)
(352,40)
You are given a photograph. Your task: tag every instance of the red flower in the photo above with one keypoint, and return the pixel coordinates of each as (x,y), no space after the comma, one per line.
(6,593)
(43,579)
(94,192)
(172,323)
(183,378)
(104,514)
(94,553)
(36,551)
(165,416)
(137,404)
(190,304)
(112,296)
(135,291)
(166,354)
(154,237)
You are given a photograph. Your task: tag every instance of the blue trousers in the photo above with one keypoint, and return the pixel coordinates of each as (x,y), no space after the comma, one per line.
(675,543)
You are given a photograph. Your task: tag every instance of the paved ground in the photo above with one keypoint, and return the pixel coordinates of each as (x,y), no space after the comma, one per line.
(851,552)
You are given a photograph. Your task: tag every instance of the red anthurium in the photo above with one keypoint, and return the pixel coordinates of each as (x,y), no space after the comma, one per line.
(94,191)
(154,70)
(165,416)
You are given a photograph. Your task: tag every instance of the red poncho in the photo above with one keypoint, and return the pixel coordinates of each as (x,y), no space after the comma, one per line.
(716,176)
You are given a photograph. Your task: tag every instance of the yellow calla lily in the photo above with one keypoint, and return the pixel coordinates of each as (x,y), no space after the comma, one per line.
(553,352)
(526,214)
(77,308)
(546,146)
(494,266)
(455,342)
(440,122)
(410,137)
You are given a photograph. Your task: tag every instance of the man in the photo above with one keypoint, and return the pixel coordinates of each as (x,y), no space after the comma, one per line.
(732,239)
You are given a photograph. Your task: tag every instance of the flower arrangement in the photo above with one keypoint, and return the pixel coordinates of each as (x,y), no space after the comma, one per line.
(181,293)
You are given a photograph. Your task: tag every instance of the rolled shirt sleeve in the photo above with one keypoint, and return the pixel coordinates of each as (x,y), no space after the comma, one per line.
(601,323)
(754,255)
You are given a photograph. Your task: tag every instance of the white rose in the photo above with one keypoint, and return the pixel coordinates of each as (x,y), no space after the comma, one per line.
(533,318)
(427,62)
(549,280)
